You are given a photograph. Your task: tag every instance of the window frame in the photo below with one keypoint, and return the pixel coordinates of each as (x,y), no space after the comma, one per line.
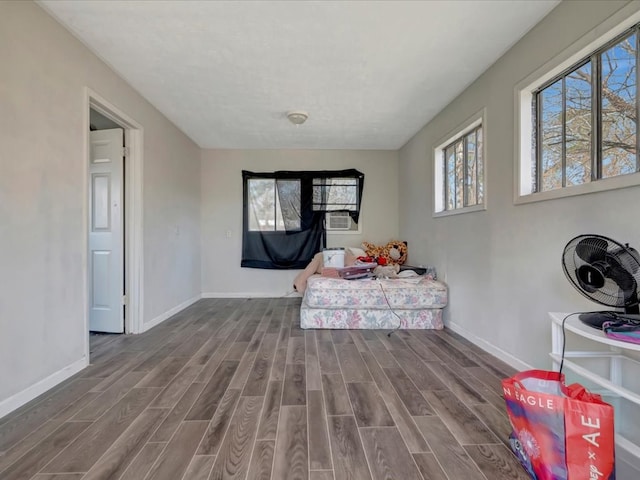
(357,204)
(276,206)
(570,59)
(354,185)
(596,110)
(473,123)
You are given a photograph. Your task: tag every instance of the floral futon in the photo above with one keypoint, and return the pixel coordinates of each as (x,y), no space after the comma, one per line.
(412,302)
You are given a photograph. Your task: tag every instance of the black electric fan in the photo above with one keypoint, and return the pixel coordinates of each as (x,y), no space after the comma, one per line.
(606,272)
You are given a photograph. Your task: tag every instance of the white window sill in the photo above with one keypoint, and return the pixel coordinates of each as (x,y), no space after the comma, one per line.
(613,183)
(458,211)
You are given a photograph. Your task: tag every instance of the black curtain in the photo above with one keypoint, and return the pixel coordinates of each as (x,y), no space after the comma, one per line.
(304,201)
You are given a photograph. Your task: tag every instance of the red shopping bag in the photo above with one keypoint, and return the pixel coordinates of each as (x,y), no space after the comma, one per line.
(559,432)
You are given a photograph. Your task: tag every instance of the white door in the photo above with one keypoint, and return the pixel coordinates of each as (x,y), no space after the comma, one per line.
(106,236)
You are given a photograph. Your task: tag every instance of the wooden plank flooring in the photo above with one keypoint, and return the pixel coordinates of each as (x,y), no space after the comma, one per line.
(234,389)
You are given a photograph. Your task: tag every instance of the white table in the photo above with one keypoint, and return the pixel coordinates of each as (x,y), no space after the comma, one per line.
(623,371)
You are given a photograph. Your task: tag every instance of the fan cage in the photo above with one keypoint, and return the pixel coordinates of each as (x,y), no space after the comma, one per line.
(618,264)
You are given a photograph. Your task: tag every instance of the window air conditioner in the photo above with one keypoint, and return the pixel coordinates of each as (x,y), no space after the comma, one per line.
(338,221)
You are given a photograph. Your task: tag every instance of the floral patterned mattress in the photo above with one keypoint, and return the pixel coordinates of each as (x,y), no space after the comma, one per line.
(384,304)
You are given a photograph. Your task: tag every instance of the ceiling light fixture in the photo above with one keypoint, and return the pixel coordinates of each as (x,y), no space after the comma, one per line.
(297,117)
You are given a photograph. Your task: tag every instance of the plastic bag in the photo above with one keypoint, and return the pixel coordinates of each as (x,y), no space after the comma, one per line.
(559,432)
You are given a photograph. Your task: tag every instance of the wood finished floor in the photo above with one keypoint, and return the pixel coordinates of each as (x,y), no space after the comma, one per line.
(233,388)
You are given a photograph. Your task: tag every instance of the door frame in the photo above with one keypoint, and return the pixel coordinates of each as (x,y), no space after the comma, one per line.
(133,211)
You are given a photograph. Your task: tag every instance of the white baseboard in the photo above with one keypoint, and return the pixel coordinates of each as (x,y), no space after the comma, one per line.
(19,399)
(291,294)
(169,313)
(488,347)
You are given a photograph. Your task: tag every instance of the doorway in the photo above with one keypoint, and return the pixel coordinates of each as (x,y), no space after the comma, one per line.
(113,203)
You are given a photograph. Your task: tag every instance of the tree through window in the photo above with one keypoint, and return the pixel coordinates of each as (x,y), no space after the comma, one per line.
(265,204)
(459,166)
(585,119)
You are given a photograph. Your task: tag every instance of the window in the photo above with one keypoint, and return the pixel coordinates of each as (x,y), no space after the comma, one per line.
(284,214)
(267,200)
(333,194)
(265,206)
(459,171)
(587,119)
(578,122)
(338,197)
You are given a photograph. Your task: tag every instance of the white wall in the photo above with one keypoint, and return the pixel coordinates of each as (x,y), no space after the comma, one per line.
(171,222)
(503,264)
(222,211)
(42,200)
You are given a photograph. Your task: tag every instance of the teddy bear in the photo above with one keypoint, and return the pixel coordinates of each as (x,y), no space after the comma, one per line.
(393,253)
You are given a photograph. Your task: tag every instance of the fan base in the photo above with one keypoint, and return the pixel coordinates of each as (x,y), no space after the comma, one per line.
(596,320)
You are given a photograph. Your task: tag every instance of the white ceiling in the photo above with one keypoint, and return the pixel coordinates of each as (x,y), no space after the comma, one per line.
(369,73)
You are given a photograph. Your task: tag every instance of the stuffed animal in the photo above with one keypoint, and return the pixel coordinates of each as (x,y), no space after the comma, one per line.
(393,253)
